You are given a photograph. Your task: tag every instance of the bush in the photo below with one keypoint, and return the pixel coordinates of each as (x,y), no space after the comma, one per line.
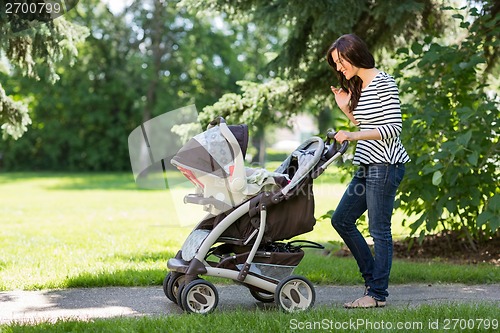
(451,132)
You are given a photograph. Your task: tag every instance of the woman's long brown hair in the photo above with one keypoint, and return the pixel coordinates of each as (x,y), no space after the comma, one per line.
(353,49)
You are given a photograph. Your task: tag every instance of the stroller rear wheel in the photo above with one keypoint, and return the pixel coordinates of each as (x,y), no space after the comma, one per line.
(295,293)
(263,297)
(199,296)
(171,285)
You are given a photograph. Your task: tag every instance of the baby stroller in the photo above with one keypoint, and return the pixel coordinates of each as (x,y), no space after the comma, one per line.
(250,213)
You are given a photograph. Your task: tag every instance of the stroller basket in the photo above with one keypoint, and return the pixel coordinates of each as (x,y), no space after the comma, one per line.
(273,265)
(275,261)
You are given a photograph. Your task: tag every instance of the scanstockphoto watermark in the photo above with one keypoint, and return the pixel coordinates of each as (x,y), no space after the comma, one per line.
(355,324)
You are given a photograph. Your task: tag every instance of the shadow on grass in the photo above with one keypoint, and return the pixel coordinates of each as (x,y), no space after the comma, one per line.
(132,277)
(74,180)
(117,182)
(91,180)
(161,256)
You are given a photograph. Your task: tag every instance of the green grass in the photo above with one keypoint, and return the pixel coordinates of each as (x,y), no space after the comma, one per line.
(344,271)
(82,230)
(448,318)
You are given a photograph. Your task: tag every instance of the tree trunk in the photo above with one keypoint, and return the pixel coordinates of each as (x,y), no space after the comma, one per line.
(157,31)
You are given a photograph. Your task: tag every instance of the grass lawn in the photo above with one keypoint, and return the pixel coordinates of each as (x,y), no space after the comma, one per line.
(80,230)
(426,318)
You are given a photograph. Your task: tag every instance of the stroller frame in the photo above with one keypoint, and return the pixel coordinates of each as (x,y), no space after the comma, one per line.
(292,293)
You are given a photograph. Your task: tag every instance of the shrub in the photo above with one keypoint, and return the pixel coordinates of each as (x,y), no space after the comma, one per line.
(451,132)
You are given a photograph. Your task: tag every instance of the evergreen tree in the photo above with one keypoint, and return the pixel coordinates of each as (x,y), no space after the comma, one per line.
(32,43)
(311,28)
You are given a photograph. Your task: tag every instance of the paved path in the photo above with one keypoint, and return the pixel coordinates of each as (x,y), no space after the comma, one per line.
(50,305)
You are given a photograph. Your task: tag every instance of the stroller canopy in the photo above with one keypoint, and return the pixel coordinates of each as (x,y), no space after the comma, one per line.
(209,152)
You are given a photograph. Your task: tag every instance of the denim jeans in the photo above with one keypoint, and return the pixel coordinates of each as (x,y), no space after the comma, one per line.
(372,188)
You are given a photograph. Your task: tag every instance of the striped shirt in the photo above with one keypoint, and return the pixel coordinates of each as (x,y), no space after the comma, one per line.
(379,108)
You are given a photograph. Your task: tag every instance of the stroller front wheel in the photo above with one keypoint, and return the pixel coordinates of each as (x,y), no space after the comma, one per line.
(171,285)
(199,296)
(165,285)
(295,293)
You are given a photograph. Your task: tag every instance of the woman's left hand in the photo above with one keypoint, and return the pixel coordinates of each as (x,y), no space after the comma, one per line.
(342,136)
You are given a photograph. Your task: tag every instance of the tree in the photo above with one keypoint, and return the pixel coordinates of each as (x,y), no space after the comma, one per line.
(37,48)
(299,71)
(451,122)
(82,121)
(186,59)
(452,130)
(313,25)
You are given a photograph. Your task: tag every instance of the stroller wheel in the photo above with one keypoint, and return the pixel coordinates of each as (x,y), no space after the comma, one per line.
(174,281)
(262,296)
(199,296)
(178,295)
(295,293)
(165,284)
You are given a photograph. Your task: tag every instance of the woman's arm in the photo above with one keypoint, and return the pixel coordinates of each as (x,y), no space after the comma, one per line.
(342,98)
(388,93)
(373,134)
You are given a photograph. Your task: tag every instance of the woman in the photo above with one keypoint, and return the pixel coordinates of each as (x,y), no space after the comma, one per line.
(370,99)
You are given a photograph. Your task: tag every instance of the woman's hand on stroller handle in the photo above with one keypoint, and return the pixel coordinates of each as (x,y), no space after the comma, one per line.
(331,152)
(330,135)
(342,136)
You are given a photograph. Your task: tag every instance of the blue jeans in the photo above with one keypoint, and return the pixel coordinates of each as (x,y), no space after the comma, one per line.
(372,188)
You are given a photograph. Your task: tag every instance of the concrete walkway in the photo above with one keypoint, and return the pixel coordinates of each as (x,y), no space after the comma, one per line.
(88,303)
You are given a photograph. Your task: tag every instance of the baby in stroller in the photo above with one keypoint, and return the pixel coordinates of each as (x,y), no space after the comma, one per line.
(249,212)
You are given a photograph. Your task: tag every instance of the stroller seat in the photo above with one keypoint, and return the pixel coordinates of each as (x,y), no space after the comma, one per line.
(214,162)
(293,216)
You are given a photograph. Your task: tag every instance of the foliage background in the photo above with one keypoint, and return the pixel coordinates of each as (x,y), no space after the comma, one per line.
(261,62)
(451,94)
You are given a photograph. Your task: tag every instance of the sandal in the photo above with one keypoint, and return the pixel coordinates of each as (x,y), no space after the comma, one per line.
(365,302)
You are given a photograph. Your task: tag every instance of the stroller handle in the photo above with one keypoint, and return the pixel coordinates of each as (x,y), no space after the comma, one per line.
(332,152)
(216,121)
(330,135)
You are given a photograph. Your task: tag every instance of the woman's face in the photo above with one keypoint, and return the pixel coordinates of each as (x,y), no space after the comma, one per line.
(344,66)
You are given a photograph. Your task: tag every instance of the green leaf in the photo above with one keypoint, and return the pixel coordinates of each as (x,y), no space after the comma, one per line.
(464,139)
(465,25)
(327,215)
(494,223)
(451,206)
(472,158)
(415,225)
(421,237)
(403,50)
(484,218)
(421,158)
(416,48)
(436,178)
(494,203)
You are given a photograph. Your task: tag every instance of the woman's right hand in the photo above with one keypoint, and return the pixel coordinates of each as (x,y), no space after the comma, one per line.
(341,97)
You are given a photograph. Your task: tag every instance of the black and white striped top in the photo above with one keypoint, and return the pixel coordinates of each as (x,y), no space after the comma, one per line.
(379,108)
